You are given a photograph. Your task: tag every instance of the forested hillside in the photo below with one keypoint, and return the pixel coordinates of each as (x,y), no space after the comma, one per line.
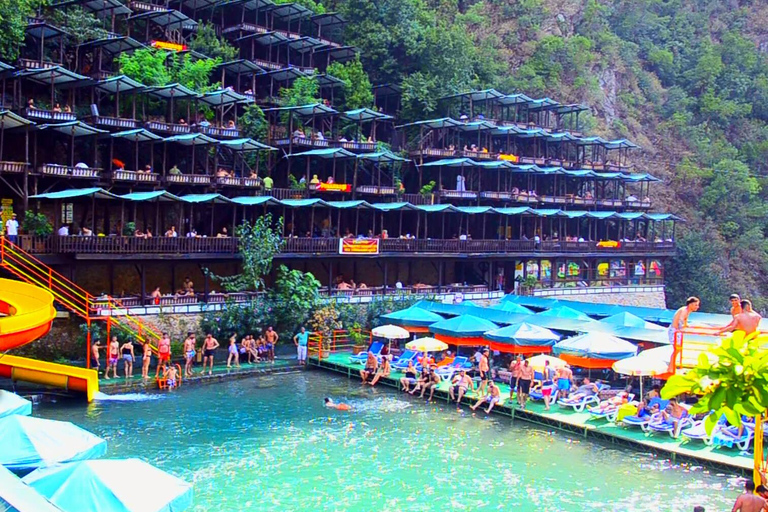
(685,79)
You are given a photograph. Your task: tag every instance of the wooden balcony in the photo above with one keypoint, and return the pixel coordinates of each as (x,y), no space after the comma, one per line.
(267,64)
(13,167)
(65,171)
(432,152)
(479,155)
(37,64)
(139,6)
(122,123)
(419,199)
(38,114)
(245,27)
(329,246)
(161,126)
(217,131)
(226,181)
(376,190)
(496,196)
(610,203)
(286,193)
(136,177)
(188,179)
(458,194)
(303,142)
(358,146)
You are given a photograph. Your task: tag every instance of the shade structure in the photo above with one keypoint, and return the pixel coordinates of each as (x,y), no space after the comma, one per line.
(463,330)
(627,319)
(522,338)
(111,486)
(511,307)
(391,332)
(414,319)
(563,318)
(594,350)
(16,496)
(565,312)
(648,363)
(426,345)
(538,362)
(11,403)
(29,443)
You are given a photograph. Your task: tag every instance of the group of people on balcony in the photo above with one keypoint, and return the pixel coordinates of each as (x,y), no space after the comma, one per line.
(299,133)
(57,108)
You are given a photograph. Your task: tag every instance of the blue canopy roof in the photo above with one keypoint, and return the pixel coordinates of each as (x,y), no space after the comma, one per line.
(596,346)
(29,443)
(413,316)
(20,497)
(565,312)
(11,403)
(523,334)
(111,486)
(627,319)
(511,307)
(463,326)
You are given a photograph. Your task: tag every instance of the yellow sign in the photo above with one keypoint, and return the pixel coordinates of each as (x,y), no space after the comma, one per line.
(355,246)
(609,244)
(6,211)
(167,45)
(333,187)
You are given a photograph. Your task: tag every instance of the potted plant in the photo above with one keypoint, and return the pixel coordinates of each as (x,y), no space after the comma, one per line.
(426,190)
(129,229)
(37,224)
(324,321)
(296,186)
(399,188)
(359,341)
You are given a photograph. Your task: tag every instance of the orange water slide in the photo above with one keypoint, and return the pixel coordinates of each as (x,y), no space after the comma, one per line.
(28,314)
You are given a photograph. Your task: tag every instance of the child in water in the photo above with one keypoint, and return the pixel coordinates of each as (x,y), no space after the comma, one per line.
(170,375)
(339,407)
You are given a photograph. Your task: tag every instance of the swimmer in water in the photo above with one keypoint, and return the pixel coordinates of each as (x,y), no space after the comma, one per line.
(339,407)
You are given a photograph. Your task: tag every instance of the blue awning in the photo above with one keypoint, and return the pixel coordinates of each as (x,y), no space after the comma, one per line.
(11,403)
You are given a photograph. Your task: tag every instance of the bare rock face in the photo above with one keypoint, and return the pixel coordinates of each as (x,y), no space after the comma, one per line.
(609,85)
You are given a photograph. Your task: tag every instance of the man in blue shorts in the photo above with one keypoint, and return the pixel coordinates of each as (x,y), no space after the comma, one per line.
(564,379)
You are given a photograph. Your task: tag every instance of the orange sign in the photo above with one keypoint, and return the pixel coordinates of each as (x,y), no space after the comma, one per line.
(333,187)
(167,45)
(609,244)
(358,246)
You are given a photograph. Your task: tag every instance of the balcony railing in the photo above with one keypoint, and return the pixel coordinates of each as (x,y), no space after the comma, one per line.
(49,115)
(458,194)
(115,122)
(71,172)
(267,64)
(214,245)
(188,179)
(216,131)
(135,176)
(161,126)
(376,190)
(13,167)
(37,64)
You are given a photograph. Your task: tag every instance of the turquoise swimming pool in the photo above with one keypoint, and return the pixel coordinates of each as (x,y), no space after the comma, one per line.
(268,444)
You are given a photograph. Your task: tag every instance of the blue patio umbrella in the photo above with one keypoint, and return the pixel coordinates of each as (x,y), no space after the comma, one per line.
(413,316)
(596,345)
(20,497)
(29,443)
(11,403)
(463,326)
(627,319)
(523,334)
(512,307)
(127,485)
(566,313)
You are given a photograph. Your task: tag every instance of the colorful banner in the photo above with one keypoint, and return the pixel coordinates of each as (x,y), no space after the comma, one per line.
(609,244)
(333,187)
(359,246)
(167,45)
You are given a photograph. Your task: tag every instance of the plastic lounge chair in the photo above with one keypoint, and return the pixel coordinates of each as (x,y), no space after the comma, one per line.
(661,425)
(458,363)
(641,421)
(404,359)
(578,404)
(610,412)
(697,432)
(720,438)
(360,358)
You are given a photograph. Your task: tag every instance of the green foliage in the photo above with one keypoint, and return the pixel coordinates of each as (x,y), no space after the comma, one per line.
(194,74)
(208,43)
(145,65)
(258,244)
(427,189)
(81,26)
(36,224)
(731,379)
(13,19)
(312,5)
(697,270)
(304,91)
(129,229)
(357,92)
(294,295)
(253,123)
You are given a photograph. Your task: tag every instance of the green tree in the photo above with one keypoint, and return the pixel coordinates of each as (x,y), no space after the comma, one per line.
(146,65)
(13,19)
(696,270)
(194,74)
(294,295)
(254,123)
(208,43)
(258,244)
(357,91)
(304,91)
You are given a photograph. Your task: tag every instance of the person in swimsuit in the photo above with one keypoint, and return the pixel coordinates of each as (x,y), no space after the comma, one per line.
(163,352)
(113,354)
(461,384)
(190,351)
(484,368)
(272,338)
(526,376)
(233,352)
(95,347)
(146,359)
(209,350)
(128,357)
(680,320)
(747,320)
(493,397)
(170,375)
(548,386)
(339,407)
(434,380)
(371,365)
(514,370)
(564,379)
(384,370)
(410,377)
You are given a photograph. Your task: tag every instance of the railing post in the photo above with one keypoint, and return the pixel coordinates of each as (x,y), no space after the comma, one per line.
(50,278)
(88,344)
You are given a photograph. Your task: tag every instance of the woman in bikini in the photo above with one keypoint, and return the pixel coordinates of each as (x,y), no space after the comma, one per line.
(146,360)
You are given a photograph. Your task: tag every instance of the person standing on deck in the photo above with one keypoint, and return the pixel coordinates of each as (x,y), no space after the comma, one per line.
(484,369)
(272,338)
(113,354)
(209,350)
(95,347)
(526,377)
(12,228)
(163,352)
(680,320)
(747,321)
(301,340)
(749,501)
(190,350)
(128,357)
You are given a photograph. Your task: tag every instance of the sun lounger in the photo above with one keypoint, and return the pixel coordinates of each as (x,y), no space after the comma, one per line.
(697,432)
(659,424)
(402,362)
(579,403)
(609,409)
(728,435)
(360,358)
(641,421)
(459,363)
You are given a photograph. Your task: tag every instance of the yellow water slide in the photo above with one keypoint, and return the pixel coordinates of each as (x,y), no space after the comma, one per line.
(27,314)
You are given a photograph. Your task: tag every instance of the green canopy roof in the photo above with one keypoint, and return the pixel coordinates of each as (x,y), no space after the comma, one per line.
(472,210)
(565,312)
(255,200)
(206,198)
(382,156)
(137,135)
(348,205)
(324,153)
(192,139)
(413,316)
(523,334)
(246,144)
(451,162)
(172,91)
(73,129)
(476,96)
(443,122)
(315,109)
(627,319)
(240,66)
(223,97)
(95,192)
(514,99)
(303,203)
(55,75)
(387,207)
(9,120)
(463,326)
(513,210)
(119,83)
(162,196)
(512,307)
(437,208)
(365,114)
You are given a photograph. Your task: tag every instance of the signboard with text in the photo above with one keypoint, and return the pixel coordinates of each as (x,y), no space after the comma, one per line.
(333,187)
(358,246)
(609,244)
(167,45)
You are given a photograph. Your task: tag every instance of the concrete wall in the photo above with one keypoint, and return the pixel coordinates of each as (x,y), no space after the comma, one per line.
(644,296)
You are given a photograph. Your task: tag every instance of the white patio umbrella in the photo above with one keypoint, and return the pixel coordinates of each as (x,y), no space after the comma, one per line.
(648,363)
(391,332)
